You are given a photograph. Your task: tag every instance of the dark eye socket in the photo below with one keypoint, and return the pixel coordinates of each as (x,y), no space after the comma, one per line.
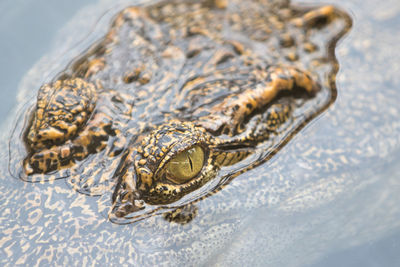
(185,165)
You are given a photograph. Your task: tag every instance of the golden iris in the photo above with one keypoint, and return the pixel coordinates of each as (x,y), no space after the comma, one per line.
(186,165)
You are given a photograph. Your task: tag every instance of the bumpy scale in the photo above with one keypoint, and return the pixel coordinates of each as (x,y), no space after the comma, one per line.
(166,100)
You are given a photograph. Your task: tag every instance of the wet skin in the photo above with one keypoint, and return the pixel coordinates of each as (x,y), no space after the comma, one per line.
(171,95)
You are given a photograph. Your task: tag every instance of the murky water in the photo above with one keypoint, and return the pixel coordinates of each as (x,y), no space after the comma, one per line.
(316,214)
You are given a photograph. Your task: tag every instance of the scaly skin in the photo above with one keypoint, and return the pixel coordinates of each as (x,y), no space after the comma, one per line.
(148,179)
(159,84)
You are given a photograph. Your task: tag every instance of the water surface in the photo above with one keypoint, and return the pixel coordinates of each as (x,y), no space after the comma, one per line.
(315,215)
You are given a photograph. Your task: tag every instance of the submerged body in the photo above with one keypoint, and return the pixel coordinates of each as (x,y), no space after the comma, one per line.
(177,91)
(335,181)
(50,222)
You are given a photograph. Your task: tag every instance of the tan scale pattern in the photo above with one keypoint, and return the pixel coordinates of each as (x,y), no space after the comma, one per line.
(62,108)
(166,78)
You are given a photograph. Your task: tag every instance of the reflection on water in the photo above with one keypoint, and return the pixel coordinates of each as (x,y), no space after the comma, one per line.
(314,211)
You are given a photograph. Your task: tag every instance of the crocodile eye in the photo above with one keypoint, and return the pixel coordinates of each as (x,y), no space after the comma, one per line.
(185,165)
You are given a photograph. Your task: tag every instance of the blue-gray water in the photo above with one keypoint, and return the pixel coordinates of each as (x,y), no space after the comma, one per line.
(27,29)
(355,222)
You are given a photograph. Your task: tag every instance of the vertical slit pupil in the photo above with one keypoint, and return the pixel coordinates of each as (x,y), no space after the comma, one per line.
(191,163)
